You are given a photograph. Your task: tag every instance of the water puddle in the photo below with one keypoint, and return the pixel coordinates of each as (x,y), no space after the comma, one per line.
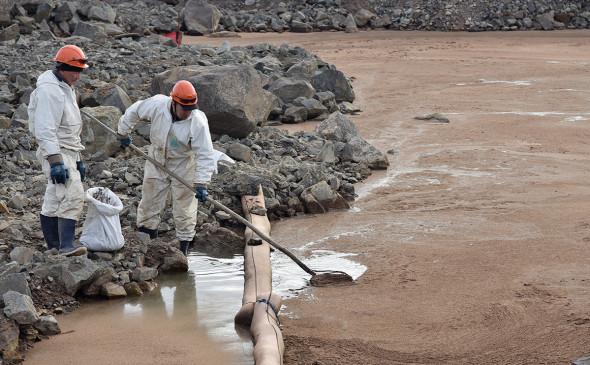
(185,311)
(483,81)
(570,116)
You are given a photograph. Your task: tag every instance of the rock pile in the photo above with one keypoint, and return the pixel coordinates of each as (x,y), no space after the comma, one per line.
(197,17)
(310,172)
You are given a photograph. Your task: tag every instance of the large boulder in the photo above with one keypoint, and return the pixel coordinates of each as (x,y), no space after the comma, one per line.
(91,31)
(288,89)
(111,95)
(94,136)
(320,198)
(338,128)
(231,96)
(201,18)
(333,80)
(102,13)
(9,33)
(5,9)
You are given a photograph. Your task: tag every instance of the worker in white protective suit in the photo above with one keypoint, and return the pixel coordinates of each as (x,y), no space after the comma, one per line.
(54,120)
(180,140)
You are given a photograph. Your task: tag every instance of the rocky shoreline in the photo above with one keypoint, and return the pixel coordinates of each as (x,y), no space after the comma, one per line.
(303,173)
(198,17)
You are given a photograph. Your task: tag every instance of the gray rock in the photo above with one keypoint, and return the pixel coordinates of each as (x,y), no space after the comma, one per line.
(43,11)
(107,275)
(47,325)
(320,198)
(73,272)
(20,308)
(357,149)
(102,13)
(303,70)
(327,153)
(289,89)
(334,81)
(174,262)
(18,202)
(144,273)
(65,12)
(112,95)
(6,109)
(582,361)
(337,128)
(239,152)
(91,31)
(200,18)
(113,291)
(546,21)
(10,268)
(350,24)
(217,239)
(363,17)
(4,122)
(9,33)
(22,255)
(14,282)
(294,114)
(9,335)
(231,96)
(5,14)
(314,107)
(300,27)
(94,137)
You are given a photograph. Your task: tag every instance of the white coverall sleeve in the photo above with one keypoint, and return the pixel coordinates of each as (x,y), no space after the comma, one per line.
(48,114)
(141,109)
(203,149)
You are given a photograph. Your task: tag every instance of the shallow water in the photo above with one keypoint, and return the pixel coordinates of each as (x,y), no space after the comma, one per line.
(190,314)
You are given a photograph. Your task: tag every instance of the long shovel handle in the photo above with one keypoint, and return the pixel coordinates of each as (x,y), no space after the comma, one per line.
(217,204)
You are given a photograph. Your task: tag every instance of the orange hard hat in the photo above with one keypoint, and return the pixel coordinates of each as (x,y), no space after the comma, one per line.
(72,55)
(184,93)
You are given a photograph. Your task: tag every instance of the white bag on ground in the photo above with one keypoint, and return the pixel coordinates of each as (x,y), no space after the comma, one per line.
(102,227)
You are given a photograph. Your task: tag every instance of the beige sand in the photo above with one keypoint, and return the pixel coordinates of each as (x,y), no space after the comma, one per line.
(476,238)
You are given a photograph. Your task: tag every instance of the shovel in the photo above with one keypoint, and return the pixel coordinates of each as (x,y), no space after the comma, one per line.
(327,277)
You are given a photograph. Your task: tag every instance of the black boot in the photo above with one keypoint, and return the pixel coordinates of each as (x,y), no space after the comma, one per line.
(67,231)
(50,229)
(184,247)
(152,232)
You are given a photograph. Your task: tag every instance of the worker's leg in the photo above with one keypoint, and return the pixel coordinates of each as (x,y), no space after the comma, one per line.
(153,201)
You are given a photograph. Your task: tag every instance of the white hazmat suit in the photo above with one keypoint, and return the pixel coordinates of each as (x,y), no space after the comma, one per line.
(182,146)
(54,120)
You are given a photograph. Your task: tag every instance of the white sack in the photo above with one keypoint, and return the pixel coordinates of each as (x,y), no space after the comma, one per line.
(220,156)
(102,228)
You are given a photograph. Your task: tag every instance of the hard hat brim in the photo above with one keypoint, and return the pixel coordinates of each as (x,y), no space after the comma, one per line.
(189,107)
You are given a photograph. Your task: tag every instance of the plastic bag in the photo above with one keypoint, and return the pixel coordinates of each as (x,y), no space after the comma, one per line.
(102,227)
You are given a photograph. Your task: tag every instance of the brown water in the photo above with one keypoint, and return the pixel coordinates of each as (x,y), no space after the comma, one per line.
(188,316)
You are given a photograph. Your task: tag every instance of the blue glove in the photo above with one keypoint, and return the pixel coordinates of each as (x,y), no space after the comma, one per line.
(201,194)
(125,141)
(80,166)
(59,173)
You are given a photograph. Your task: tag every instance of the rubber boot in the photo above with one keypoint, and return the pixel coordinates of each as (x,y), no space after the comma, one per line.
(152,232)
(67,231)
(50,229)
(183,247)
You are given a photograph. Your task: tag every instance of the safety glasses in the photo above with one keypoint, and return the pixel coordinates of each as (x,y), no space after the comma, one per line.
(187,101)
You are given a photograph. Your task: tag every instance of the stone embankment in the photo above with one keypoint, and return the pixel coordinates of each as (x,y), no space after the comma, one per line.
(302,173)
(197,17)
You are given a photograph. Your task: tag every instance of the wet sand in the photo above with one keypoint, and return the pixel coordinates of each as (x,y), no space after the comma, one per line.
(476,238)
